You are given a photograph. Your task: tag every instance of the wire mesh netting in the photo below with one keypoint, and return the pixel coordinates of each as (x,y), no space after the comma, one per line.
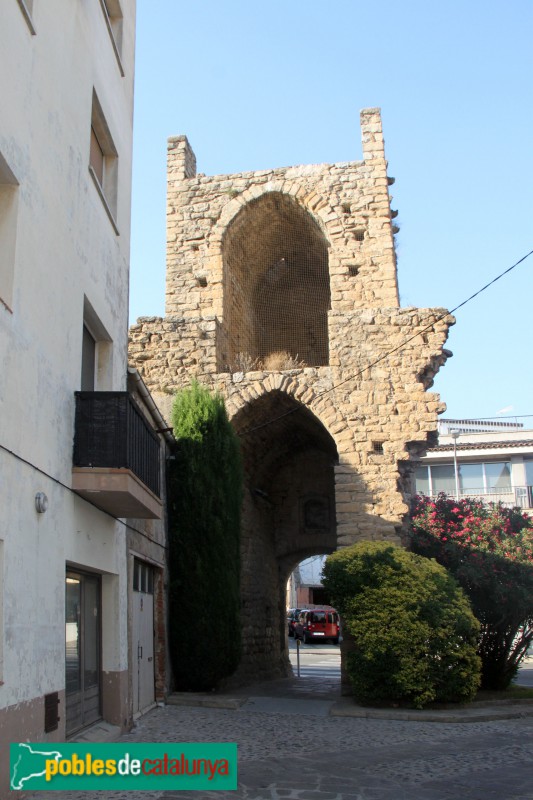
(277,291)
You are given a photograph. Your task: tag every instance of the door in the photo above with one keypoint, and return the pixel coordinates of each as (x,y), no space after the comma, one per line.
(143,636)
(82,650)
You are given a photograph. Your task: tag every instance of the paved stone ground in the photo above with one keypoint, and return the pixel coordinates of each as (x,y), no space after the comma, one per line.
(285,754)
(292,746)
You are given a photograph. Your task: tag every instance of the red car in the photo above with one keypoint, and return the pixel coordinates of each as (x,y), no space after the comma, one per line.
(292,619)
(317,624)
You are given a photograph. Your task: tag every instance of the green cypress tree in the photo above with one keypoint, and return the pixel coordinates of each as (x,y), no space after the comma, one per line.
(204,505)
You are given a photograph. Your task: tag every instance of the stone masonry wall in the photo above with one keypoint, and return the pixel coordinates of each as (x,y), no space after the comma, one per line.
(373,414)
(368,391)
(350,201)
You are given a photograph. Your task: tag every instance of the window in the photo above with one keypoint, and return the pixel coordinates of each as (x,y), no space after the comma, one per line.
(88,361)
(113,17)
(9,196)
(103,161)
(497,476)
(443,479)
(96,353)
(143,577)
(97,157)
(422,481)
(471,477)
(26,6)
(490,477)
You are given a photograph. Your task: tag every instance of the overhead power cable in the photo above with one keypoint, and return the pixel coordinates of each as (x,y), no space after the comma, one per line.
(394,349)
(85,499)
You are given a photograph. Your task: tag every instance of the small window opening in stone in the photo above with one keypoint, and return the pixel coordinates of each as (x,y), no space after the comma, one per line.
(377,447)
(353,270)
(359,236)
(195,247)
(346,208)
(201,280)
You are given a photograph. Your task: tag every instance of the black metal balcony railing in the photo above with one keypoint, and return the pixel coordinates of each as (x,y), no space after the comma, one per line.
(111,431)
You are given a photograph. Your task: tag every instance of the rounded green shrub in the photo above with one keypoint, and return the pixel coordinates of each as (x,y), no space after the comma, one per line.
(413,630)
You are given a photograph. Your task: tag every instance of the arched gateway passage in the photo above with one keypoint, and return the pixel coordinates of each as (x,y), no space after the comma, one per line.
(288,514)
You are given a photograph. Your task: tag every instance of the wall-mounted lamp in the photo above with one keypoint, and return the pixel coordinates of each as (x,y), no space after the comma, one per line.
(41,502)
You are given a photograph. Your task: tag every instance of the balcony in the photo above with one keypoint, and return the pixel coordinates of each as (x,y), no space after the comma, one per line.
(520,496)
(116,463)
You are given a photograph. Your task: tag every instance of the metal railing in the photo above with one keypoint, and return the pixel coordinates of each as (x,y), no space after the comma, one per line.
(111,431)
(521,496)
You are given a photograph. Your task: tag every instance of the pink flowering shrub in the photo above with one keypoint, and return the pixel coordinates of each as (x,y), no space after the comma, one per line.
(489,550)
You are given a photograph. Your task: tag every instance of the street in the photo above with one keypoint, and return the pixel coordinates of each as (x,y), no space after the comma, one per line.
(291,748)
(303,754)
(317,660)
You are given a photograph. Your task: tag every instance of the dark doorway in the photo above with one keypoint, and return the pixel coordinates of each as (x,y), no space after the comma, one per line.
(288,515)
(82,650)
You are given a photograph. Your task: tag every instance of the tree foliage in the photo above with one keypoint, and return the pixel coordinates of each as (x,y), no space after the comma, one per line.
(489,550)
(413,630)
(204,504)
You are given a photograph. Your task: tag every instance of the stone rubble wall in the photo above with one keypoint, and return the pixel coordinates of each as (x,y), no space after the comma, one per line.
(359,405)
(371,396)
(349,200)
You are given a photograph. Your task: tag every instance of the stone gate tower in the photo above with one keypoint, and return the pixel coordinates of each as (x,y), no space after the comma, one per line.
(282,294)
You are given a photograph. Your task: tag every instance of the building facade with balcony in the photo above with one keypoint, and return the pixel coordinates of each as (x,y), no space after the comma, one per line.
(489,460)
(304,587)
(81,529)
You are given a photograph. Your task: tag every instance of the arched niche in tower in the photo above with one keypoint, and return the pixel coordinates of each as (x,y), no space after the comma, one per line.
(276,287)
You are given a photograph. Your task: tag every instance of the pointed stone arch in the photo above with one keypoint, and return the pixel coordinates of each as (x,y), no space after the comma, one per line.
(299,386)
(276,284)
(314,202)
(288,511)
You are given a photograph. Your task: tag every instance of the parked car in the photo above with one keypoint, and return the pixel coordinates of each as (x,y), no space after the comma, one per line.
(317,624)
(292,618)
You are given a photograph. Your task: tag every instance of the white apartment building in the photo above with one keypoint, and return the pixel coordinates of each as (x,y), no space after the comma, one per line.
(78,454)
(492,460)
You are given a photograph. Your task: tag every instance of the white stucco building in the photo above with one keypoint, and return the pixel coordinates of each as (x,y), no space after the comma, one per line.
(492,460)
(66,82)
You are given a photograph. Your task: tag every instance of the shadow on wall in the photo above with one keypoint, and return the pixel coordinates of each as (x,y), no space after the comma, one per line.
(289,514)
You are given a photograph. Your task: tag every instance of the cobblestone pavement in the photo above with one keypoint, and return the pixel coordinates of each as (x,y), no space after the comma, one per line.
(310,756)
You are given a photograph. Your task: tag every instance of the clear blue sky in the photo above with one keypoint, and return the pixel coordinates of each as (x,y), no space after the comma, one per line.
(260,85)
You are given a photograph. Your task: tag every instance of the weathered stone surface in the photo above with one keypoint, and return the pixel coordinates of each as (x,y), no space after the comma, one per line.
(299,260)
